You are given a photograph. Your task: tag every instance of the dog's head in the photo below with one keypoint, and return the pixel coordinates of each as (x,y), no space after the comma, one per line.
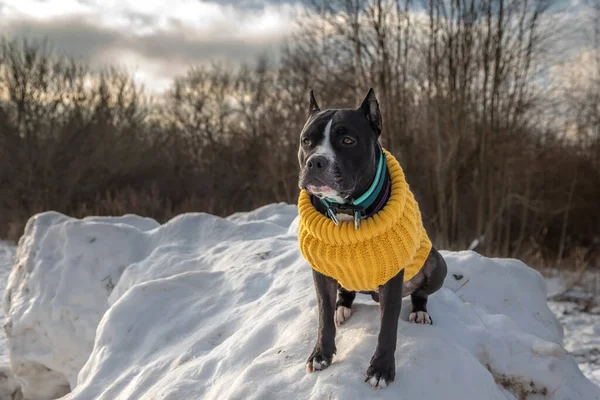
(338,150)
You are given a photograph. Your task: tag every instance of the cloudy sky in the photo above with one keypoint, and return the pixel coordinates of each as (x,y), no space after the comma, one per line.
(159,39)
(156,39)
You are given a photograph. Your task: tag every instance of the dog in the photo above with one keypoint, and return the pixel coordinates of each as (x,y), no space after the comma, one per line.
(340,157)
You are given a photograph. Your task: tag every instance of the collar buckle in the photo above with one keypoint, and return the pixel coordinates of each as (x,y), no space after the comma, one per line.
(357,212)
(357,218)
(331,214)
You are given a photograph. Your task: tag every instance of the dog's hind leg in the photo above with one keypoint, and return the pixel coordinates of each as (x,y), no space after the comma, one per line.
(343,305)
(418,313)
(434,270)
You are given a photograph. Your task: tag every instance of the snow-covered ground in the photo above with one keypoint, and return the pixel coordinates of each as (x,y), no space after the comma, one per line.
(212,308)
(577,306)
(582,336)
(7,254)
(9,388)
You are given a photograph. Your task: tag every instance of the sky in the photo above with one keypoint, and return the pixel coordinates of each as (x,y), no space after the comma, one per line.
(156,40)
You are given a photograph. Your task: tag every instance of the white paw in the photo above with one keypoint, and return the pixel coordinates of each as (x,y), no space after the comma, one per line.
(377,383)
(316,366)
(342,314)
(419,317)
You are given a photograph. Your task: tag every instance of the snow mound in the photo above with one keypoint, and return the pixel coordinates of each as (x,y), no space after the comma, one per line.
(58,290)
(7,256)
(213,308)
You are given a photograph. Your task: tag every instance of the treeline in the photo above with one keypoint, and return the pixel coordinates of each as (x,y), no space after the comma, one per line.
(80,142)
(496,153)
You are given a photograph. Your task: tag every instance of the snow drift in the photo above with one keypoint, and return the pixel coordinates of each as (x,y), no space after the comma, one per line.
(212,308)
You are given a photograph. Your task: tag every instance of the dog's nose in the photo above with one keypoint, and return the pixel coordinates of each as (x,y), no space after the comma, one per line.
(317,162)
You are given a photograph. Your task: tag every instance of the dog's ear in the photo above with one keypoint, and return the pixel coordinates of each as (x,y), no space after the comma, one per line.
(370,107)
(314,107)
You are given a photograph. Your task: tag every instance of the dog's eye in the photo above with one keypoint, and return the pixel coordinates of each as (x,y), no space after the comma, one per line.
(348,140)
(306,141)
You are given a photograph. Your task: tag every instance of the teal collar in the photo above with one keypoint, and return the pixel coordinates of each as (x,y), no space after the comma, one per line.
(366,200)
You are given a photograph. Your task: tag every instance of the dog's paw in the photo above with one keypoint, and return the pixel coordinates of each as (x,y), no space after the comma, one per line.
(318,360)
(381,372)
(316,365)
(376,383)
(342,314)
(420,317)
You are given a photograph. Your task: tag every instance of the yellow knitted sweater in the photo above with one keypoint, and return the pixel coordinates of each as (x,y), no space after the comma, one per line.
(366,258)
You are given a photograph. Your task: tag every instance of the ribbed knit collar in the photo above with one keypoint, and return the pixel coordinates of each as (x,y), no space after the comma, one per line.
(345,233)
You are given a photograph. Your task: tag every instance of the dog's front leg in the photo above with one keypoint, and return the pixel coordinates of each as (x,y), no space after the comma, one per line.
(382,370)
(321,356)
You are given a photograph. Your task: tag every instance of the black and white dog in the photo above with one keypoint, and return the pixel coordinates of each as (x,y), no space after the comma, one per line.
(338,160)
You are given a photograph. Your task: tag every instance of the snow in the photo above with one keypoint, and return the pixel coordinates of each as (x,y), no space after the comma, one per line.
(58,291)
(574,300)
(7,255)
(9,388)
(213,308)
(582,336)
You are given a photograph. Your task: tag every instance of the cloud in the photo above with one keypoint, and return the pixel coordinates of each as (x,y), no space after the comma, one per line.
(155,38)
